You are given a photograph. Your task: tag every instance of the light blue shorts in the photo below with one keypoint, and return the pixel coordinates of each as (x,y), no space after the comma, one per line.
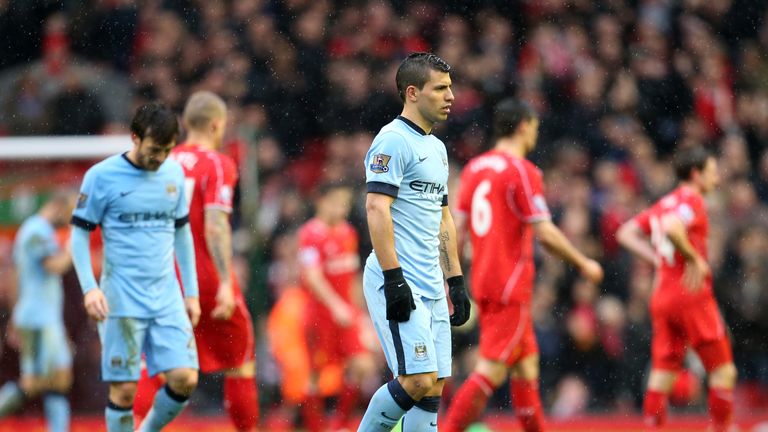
(167,342)
(44,350)
(421,344)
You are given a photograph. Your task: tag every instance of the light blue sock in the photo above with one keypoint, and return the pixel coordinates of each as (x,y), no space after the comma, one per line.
(11,398)
(387,405)
(423,416)
(119,419)
(166,407)
(56,406)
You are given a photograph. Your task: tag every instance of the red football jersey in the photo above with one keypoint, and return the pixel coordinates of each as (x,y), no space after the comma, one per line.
(690,207)
(209,184)
(334,249)
(502,195)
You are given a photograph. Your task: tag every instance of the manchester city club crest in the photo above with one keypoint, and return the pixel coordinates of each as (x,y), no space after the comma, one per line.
(420,349)
(171,190)
(379,163)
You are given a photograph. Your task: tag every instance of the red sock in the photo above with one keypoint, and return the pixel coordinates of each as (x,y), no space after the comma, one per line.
(241,402)
(145,395)
(348,400)
(721,408)
(655,408)
(468,403)
(527,402)
(312,412)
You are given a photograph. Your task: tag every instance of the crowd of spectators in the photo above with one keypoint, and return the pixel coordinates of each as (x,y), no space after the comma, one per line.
(619,85)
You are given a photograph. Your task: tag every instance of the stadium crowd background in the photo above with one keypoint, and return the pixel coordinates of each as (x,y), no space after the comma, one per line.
(619,85)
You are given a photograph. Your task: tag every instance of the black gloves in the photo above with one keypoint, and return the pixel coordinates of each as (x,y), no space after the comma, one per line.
(398,295)
(459,299)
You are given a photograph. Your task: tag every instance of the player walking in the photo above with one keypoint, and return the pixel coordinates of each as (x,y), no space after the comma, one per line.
(224,334)
(46,361)
(329,270)
(137,198)
(414,248)
(683,308)
(501,200)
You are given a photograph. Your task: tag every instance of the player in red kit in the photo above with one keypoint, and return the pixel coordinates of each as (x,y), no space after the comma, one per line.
(502,205)
(672,234)
(224,335)
(330,265)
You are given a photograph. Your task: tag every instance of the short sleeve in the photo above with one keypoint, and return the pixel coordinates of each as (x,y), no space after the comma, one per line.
(219,189)
(528,193)
(41,245)
(385,163)
(91,203)
(686,212)
(643,220)
(309,250)
(464,202)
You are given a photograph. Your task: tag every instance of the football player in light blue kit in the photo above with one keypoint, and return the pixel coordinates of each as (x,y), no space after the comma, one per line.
(414,249)
(46,361)
(138,199)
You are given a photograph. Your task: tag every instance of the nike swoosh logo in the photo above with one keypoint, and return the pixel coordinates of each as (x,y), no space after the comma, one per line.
(400,285)
(422,159)
(383,414)
(122,194)
(433,424)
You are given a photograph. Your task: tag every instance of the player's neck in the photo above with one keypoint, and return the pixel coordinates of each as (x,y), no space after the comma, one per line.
(327,221)
(201,140)
(412,113)
(512,146)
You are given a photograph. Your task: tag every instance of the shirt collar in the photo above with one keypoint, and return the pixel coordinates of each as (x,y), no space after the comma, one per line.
(413,125)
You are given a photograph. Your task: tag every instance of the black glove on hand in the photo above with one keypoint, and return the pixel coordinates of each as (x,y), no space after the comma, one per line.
(459,299)
(398,295)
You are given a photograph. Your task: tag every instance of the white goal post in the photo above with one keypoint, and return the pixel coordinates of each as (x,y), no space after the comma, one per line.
(63,147)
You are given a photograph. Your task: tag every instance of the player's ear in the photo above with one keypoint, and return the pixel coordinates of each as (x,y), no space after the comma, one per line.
(136,140)
(411,93)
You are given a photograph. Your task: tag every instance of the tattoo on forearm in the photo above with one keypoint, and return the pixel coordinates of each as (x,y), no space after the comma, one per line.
(219,246)
(443,248)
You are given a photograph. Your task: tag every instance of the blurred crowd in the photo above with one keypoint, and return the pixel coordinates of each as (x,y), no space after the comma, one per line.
(619,85)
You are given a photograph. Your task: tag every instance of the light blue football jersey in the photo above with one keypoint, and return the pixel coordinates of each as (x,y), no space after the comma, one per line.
(138,211)
(40,292)
(412,166)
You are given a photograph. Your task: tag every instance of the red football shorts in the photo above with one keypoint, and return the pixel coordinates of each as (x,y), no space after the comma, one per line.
(697,324)
(329,343)
(506,332)
(224,344)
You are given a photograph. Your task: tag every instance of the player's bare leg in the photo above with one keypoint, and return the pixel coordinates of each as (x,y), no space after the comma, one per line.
(392,400)
(721,382)
(423,416)
(171,400)
(118,412)
(655,404)
(241,398)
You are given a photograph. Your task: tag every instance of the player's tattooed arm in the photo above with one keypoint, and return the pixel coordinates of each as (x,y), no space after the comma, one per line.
(449,255)
(218,239)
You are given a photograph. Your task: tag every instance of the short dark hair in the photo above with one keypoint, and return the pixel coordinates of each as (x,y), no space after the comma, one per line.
(414,71)
(690,159)
(330,186)
(508,114)
(154,120)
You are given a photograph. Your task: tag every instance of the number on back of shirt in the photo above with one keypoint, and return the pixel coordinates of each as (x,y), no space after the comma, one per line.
(482,212)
